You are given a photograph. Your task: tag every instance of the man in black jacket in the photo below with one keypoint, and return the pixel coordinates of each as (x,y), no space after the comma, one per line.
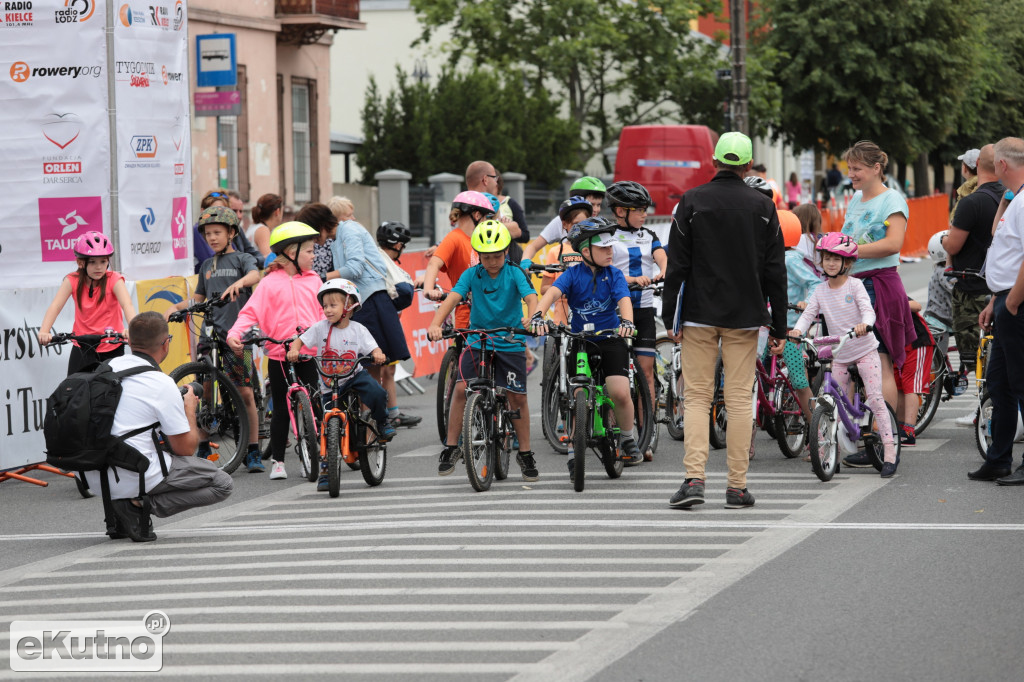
(726,257)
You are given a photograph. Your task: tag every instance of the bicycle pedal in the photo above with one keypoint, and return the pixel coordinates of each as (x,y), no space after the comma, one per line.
(513,414)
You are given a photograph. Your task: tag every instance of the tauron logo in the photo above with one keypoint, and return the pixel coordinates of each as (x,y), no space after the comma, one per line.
(71,222)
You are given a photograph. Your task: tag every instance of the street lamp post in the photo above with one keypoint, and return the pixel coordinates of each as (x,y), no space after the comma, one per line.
(738,42)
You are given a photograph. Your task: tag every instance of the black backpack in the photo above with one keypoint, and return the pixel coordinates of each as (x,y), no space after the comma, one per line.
(79,416)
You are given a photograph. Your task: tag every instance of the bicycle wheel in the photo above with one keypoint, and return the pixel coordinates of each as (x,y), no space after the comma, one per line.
(553,413)
(477,447)
(332,433)
(719,415)
(503,446)
(609,449)
(643,411)
(930,400)
(671,401)
(824,441)
(446,377)
(373,455)
(307,446)
(790,424)
(983,425)
(873,443)
(221,413)
(580,435)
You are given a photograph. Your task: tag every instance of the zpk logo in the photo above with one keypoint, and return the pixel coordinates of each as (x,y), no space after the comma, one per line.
(144,146)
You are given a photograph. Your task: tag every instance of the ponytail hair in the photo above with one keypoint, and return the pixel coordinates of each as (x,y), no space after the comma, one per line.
(867,153)
(265,207)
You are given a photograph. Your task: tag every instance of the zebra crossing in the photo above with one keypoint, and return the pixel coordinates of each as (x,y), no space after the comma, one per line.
(423,578)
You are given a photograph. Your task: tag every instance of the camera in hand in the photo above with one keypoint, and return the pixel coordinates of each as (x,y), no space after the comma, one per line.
(197,388)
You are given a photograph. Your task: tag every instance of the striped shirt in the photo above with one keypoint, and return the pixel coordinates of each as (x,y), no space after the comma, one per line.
(843,308)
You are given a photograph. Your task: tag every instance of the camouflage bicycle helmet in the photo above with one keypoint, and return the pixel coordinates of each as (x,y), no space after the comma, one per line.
(217,215)
(587,185)
(628,194)
(575,203)
(490,236)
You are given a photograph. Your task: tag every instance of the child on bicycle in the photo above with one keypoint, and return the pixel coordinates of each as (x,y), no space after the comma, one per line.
(572,211)
(588,188)
(596,291)
(498,290)
(233,273)
(803,280)
(101,302)
(339,337)
(844,302)
(284,300)
(637,253)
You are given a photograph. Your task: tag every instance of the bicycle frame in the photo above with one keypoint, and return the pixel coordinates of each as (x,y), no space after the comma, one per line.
(779,383)
(832,391)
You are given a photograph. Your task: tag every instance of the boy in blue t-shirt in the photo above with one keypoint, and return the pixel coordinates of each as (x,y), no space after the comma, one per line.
(497,291)
(598,295)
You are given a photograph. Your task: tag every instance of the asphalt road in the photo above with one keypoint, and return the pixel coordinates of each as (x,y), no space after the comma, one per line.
(911,578)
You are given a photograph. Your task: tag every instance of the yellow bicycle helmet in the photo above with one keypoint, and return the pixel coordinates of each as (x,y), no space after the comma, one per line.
(490,236)
(290,233)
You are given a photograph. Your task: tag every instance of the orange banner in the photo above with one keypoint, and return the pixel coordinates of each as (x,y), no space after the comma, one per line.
(426,354)
(928,215)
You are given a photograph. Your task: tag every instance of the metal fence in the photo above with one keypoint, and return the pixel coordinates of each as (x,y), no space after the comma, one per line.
(421,209)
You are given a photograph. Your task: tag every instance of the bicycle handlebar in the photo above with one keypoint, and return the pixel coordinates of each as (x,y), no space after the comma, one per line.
(963,274)
(200,308)
(338,376)
(837,340)
(108,336)
(655,287)
(497,330)
(562,330)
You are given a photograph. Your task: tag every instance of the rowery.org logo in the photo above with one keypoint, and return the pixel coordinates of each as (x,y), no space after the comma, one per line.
(147,219)
(21,71)
(89,645)
(62,220)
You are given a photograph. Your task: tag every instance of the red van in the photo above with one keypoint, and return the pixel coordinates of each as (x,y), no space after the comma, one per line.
(666,159)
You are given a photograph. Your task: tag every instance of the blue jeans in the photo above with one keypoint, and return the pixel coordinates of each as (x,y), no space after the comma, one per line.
(1005,378)
(370,392)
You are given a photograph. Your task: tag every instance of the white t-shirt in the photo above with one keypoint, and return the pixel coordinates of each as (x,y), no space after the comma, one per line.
(349,343)
(146,398)
(553,232)
(633,254)
(1007,249)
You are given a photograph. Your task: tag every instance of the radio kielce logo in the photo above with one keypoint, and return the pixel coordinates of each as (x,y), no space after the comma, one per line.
(89,645)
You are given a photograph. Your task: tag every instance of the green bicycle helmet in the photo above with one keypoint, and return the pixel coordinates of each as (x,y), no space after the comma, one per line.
(587,185)
(290,233)
(490,236)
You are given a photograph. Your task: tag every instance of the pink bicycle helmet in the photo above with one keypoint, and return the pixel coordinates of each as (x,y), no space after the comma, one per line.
(470,201)
(839,244)
(93,245)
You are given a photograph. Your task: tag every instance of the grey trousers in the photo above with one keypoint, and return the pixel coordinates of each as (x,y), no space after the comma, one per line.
(191,482)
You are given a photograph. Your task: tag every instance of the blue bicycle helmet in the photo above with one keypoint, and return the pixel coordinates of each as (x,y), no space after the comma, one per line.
(493,199)
(575,203)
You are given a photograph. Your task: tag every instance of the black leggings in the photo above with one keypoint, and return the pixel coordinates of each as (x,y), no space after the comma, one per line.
(80,358)
(280,423)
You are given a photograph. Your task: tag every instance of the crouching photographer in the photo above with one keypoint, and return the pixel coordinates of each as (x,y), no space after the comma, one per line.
(175,480)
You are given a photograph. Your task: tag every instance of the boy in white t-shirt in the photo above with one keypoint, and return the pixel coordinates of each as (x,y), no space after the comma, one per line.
(341,340)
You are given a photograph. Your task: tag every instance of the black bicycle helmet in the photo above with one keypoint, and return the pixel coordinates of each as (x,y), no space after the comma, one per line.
(392,232)
(586,229)
(628,194)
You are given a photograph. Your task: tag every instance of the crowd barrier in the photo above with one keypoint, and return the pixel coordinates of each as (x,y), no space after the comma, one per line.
(928,215)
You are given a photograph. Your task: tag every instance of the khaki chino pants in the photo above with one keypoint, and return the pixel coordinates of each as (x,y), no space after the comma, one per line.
(699,351)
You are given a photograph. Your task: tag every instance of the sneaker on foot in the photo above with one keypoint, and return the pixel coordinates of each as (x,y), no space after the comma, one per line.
(858,461)
(277,472)
(738,498)
(529,465)
(689,494)
(630,452)
(253,463)
(322,484)
(446,463)
(387,432)
(405,420)
(907,437)
(967,420)
(888,469)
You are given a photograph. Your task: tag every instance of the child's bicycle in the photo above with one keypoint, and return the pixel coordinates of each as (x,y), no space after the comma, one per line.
(346,435)
(778,408)
(91,342)
(300,407)
(221,413)
(587,409)
(832,437)
(487,436)
(447,373)
(668,373)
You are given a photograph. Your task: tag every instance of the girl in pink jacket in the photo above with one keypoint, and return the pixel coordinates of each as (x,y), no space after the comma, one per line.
(284,300)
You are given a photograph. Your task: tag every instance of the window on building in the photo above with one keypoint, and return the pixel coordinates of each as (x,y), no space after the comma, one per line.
(304,140)
(233,143)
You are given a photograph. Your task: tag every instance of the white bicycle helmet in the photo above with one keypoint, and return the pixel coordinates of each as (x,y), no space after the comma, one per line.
(935,249)
(341,286)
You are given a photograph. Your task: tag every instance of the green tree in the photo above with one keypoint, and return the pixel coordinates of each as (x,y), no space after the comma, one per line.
(890,72)
(613,63)
(427,129)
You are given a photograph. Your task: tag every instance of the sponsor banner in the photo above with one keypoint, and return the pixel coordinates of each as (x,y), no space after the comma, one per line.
(153,163)
(29,373)
(426,354)
(53,130)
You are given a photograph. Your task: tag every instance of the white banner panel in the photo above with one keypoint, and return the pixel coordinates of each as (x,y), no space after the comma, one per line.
(54,133)
(153,160)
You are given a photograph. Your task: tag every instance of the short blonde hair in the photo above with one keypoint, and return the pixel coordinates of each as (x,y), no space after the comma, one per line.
(342,208)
